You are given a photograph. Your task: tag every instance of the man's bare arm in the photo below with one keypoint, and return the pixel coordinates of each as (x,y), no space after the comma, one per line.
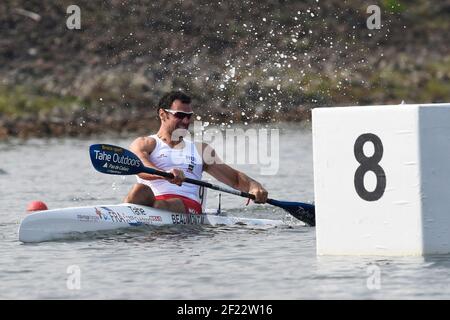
(142,147)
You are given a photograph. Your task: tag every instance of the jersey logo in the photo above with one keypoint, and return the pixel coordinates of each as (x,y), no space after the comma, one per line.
(191,165)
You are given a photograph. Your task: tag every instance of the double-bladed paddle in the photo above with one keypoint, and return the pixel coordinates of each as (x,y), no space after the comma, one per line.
(119,161)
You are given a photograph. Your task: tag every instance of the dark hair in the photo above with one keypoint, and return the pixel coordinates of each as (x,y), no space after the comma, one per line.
(166,101)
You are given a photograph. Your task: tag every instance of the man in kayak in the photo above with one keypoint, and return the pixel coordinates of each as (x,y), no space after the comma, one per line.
(168,151)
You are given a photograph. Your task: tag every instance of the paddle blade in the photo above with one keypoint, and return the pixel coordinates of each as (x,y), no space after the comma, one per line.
(114,160)
(304,212)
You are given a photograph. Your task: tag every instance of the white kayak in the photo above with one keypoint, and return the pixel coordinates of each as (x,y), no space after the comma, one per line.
(60,224)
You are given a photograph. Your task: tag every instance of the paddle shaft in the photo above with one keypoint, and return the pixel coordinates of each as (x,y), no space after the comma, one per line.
(202,183)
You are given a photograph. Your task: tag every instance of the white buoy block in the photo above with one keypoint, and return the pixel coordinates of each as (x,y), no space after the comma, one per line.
(382,179)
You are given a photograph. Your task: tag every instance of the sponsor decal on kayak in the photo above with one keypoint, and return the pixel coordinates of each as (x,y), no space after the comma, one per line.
(140,217)
(145,220)
(137,211)
(98,213)
(184,218)
(87,218)
(113,215)
(110,215)
(136,217)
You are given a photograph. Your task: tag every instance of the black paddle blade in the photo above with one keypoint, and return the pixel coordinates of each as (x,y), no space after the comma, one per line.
(304,212)
(114,160)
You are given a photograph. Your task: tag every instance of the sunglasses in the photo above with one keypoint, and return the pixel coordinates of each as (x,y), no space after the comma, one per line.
(180,114)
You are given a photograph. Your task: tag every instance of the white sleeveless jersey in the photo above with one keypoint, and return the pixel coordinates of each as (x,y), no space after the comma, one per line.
(166,158)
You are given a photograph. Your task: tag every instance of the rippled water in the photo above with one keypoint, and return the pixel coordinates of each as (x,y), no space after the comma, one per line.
(236,262)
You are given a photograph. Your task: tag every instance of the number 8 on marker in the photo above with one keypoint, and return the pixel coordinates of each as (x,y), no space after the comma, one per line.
(369,164)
